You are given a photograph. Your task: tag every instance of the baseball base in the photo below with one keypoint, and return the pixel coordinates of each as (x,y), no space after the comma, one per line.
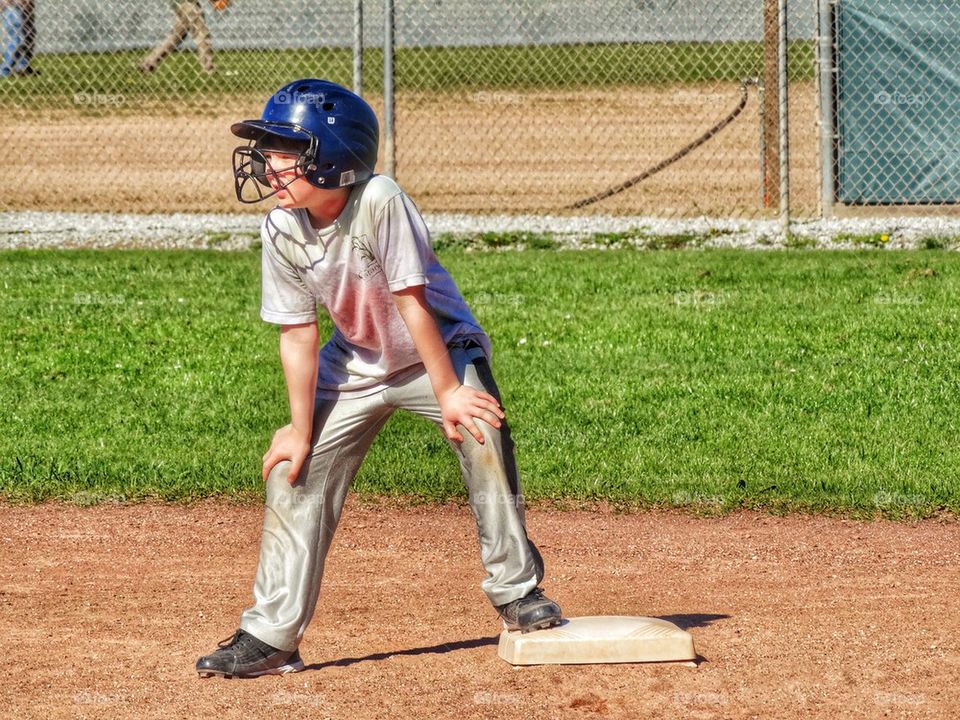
(605,639)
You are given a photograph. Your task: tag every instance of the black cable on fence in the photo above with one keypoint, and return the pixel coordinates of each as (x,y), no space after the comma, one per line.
(687,149)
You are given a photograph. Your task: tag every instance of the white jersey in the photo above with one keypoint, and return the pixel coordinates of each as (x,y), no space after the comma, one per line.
(378,245)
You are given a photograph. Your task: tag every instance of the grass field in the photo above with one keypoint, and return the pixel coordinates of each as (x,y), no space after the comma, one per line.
(260,72)
(707,379)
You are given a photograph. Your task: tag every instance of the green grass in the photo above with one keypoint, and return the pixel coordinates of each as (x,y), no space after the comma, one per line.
(811,381)
(109,82)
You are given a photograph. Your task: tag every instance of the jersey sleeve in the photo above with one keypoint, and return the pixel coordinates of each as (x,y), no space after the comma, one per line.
(284,299)
(403,243)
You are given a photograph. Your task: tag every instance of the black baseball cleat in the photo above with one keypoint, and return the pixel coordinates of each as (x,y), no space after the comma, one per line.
(244,656)
(535,611)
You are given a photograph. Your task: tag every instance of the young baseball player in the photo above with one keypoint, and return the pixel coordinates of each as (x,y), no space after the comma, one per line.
(352,241)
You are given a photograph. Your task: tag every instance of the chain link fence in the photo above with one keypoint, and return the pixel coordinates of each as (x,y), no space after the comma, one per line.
(500,107)
(546,105)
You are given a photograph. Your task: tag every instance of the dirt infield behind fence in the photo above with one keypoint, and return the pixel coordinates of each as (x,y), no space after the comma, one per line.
(482,152)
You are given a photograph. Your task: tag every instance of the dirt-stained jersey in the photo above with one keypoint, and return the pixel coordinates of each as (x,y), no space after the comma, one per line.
(378,245)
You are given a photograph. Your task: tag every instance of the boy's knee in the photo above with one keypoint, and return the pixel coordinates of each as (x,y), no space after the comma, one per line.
(280,472)
(487,455)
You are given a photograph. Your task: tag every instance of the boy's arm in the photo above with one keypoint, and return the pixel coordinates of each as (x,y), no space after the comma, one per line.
(459,404)
(300,360)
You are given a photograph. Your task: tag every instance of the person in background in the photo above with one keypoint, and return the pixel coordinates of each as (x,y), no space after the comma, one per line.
(188,19)
(19,37)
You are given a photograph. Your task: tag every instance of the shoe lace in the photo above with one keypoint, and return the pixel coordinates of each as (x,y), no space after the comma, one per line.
(236,639)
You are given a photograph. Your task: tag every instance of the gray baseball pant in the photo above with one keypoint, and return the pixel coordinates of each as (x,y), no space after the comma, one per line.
(300,520)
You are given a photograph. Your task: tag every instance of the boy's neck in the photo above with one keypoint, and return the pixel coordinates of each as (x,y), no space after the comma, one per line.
(326,211)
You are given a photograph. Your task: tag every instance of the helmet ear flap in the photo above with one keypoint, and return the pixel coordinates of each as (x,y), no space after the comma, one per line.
(258,166)
(250,174)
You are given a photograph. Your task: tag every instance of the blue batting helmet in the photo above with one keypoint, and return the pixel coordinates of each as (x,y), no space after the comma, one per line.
(334,132)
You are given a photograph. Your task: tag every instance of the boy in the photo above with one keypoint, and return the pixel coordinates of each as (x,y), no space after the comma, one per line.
(353,242)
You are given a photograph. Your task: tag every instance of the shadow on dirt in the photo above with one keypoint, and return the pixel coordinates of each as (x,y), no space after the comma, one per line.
(692,620)
(429,650)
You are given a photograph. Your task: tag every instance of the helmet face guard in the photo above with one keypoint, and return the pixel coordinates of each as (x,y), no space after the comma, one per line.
(253,170)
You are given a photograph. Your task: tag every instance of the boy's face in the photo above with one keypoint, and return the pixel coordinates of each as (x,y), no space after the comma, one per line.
(286,179)
(284,170)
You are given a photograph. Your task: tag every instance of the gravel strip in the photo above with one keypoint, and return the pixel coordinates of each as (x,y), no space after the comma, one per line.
(238,232)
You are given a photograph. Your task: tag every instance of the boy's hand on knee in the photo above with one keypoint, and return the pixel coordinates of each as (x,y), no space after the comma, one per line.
(462,406)
(288,444)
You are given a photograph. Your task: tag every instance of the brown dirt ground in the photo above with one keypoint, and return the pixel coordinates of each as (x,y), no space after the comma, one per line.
(105,609)
(480,152)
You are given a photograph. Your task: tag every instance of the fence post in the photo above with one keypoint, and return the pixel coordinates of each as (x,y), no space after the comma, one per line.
(825,64)
(770,108)
(389,148)
(358,47)
(783,90)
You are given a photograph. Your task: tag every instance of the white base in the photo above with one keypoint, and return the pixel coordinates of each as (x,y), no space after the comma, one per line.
(605,639)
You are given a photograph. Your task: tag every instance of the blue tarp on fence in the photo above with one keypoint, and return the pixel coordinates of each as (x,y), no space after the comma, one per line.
(898,102)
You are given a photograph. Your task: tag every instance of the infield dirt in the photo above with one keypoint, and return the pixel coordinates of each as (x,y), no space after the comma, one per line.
(105,610)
